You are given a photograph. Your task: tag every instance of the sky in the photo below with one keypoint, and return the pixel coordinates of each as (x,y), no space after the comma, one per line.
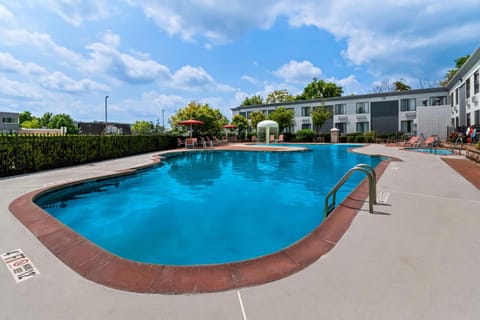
(152,57)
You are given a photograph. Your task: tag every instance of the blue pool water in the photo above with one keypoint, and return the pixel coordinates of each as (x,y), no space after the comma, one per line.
(208,207)
(442,152)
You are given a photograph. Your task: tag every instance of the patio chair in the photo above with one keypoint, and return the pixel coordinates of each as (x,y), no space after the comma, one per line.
(272,138)
(254,138)
(411,142)
(280,138)
(190,143)
(180,143)
(430,141)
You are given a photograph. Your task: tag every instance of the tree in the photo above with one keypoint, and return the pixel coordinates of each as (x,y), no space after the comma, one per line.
(320,115)
(253,100)
(283,117)
(63,120)
(31,124)
(25,116)
(318,89)
(255,118)
(401,86)
(213,119)
(279,96)
(142,128)
(241,122)
(45,119)
(451,73)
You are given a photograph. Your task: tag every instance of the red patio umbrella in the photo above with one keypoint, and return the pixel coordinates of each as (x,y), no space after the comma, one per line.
(190,123)
(230,126)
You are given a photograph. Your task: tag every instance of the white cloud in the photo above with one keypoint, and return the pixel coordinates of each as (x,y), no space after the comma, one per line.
(252,80)
(77,12)
(105,58)
(9,64)
(296,71)
(60,82)
(43,41)
(6,17)
(191,78)
(19,90)
(217,21)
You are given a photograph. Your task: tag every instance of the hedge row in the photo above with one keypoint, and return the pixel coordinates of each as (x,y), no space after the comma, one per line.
(29,153)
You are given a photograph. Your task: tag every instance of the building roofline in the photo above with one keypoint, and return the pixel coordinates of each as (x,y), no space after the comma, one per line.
(343,98)
(474,58)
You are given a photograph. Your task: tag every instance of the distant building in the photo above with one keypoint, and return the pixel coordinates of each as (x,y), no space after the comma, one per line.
(43,131)
(98,128)
(427,111)
(10,122)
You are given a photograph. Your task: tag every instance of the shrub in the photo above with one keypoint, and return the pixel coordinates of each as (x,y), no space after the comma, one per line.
(29,153)
(305,135)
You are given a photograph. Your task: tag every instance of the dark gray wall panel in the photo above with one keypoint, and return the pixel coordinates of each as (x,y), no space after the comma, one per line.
(384,117)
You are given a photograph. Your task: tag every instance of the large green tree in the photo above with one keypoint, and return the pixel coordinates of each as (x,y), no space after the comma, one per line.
(25,116)
(31,124)
(279,96)
(241,122)
(45,119)
(320,115)
(142,127)
(451,73)
(255,118)
(213,119)
(63,120)
(318,89)
(283,117)
(253,100)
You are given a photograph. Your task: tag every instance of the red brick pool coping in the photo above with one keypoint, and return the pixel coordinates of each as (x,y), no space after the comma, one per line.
(105,268)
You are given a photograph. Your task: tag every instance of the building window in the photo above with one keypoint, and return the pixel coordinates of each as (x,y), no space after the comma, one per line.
(468,119)
(306,126)
(305,111)
(362,127)
(438,101)
(456,96)
(362,107)
(477,118)
(451,99)
(476,83)
(10,120)
(243,114)
(340,108)
(341,126)
(406,126)
(467,88)
(408,104)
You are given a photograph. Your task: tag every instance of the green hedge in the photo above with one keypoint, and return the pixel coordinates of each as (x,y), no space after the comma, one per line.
(29,153)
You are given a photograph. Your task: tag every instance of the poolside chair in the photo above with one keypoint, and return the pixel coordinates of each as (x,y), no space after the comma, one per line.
(430,141)
(280,138)
(411,142)
(190,143)
(254,138)
(272,138)
(180,143)
(204,143)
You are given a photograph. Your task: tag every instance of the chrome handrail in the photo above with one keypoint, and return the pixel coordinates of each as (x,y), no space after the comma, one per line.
(372,187)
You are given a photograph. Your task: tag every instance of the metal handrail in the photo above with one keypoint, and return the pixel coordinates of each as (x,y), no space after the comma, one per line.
(459,140)
(372,187)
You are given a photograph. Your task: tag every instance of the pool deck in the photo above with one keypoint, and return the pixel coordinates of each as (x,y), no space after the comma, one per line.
(416,257)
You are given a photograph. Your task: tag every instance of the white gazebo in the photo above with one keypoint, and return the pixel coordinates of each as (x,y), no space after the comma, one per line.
(269,126)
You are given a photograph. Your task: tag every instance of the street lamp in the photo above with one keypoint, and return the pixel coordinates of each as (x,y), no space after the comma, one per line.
(106,97)
(163,119)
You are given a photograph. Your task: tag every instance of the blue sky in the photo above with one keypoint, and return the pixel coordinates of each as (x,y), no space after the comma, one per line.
(65,56)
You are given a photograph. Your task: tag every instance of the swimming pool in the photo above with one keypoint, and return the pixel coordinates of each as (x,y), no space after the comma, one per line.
(208,207)
(442,152)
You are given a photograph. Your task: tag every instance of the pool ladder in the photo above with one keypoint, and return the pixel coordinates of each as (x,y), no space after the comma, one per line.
(372,187)
(458,142)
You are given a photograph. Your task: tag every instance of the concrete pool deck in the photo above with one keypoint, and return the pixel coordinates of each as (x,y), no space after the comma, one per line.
(416,258)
